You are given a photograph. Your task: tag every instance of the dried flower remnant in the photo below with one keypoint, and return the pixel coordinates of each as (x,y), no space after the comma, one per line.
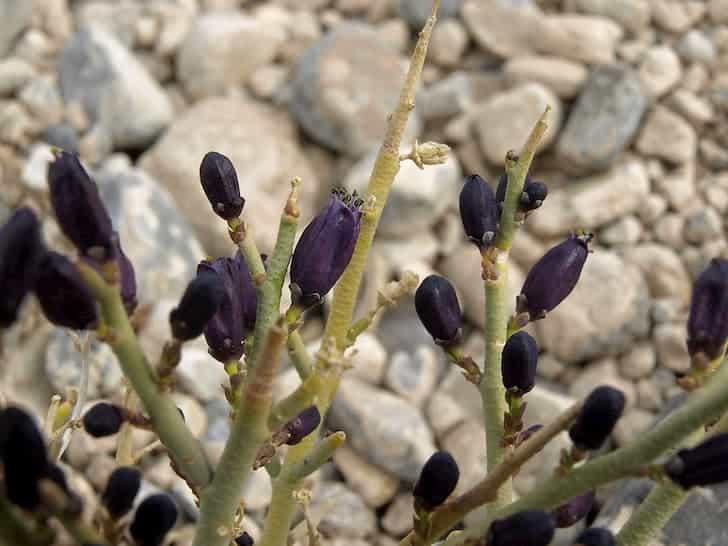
(439,311)
(437,481)
(220,184)
(708,318)
(479,211)
(518,363)
(574,510)
(201,300)
(596,536)
(600,412)
(153,519)
(121,490)
(302,425)
(704,464)
(103,419)
(527,528)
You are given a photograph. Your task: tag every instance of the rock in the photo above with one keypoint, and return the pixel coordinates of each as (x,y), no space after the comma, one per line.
(593,202)
(626,231)
(563,77)
(589,39)
(14,73)
(659,71)
(550,367)
(466,443)
(369,359)
(718,11)
(396,35)
(639,361)
(668,136)
(444,413)
(257,490)
(344,86)
(16,17)
(649,396)
(448,97)
(193,412)
(449,41)
(678,186)
(696,109)
(704,224)
(677,16)
(117,18)
(268,80)
(506,119)
(344,513)
(385,429)
(662,269)
(669,340)
(413,376)
(372,484)
(632,424)
(695,46)
(265,155)
(408,253)
(35,170)
(397,520)
(602,372)
(15,123)
(216,54)
(669,230)
(416,12)
(634,15)
(114,88)
(62,135)
(485,19)
(580,328)
(604,120)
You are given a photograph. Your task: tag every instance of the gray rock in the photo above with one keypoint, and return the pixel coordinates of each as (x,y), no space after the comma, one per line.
(385,429)
(632,424)
(626,231)
(62,135)
(14,18)
(218,420)
(562,76)
(447,97)
(639,361)
(42,99)
(633,15)
(444,413)
(397,520)
(114,89)
(467,444)
(449,42)
(416,12)
(602,372)
(14,73)
(669,341)
(663,270)
(369,359)
(696,46)
(116,18)
(370,482)
(604,120)
(344,513)
(703,225)
(668,136)
(659,71)
(413,375)
(344,87)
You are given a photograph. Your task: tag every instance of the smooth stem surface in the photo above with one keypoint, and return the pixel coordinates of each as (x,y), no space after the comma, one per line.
(299,355)
(183,447)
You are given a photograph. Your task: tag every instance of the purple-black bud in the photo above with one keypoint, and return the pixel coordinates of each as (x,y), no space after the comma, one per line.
(478,211)
(533,195)
(199,303)
(63,296)
(121,489)
(127,275)
(20,248)
(437,481)
(235,318)
(325,249)
(704,464)
(518,364)
(553,277)
(600,412)
(708,319)
(154,518)
(302,425)
(439,311)
(573,510)
(527,528)
(77,205)
(596,536)
(244,540)
(220,183)
(103,419)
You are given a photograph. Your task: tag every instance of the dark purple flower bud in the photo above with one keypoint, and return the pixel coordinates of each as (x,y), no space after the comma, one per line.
(55,474)
(20,248)
(533,195)
(103,419)
(199,303)
(154,518)
(527,528)
(437,481)
(325,249)
(127,275)
(226,331)
(574,510)
(438,308)
(302,425)
(121,489)
(220,183)
(244,540)
(600,412)
(77,205)
(596,536)
(553,277)
(704,464)
(63,296)
(708,319)
(518,364)
(479,211)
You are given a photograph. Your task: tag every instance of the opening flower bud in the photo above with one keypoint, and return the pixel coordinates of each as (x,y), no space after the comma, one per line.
(244,540)
(103,419)
(439,311)
(437,481)
(325,249)
(20,248)
(600,412)
(63,296)
(527,528)
(708,318)
(220,184)
(532,197)
(154,518)
(121,489)
(553,277)
(199,303)
(518,363)
(77,205)
(302,425)
(704,464)
(596,536)
(479,211)
(574,510)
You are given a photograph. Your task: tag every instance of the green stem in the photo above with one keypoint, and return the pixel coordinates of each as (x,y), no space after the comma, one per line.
(319,455)
(12,530)
(299,355)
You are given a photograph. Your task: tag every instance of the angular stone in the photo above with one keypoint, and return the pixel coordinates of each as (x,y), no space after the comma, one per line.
(371,483)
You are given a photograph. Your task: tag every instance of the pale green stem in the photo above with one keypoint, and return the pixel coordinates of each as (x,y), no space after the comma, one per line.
(652,514)
(299,355)
(319,456)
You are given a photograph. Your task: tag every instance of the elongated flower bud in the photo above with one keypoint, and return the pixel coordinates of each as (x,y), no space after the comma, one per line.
(437,481)
(600,412)
(573,510)
(226,331)
(77,205)
(121,489)
(20,248)
(439,311)
(518,364)
(127,275)
(220,183)
(325,249)
(479,211)
(302,425)
(63,296)
(705,464)
(553,277)
(199,303)
(244,540)
(103,419)
(527,528)
(596,536)
(708,319)
(154,518)
(532,197)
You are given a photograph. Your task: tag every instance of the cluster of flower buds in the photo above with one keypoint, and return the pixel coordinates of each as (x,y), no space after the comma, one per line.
(532,197)
(436,482)
(439,311)
(574,510)
(518,363)
(220,184)
(153,519)
(479,211)
(199,303)
(704,464)
(708,318)
(597,418)
(596,536)
(527,528)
